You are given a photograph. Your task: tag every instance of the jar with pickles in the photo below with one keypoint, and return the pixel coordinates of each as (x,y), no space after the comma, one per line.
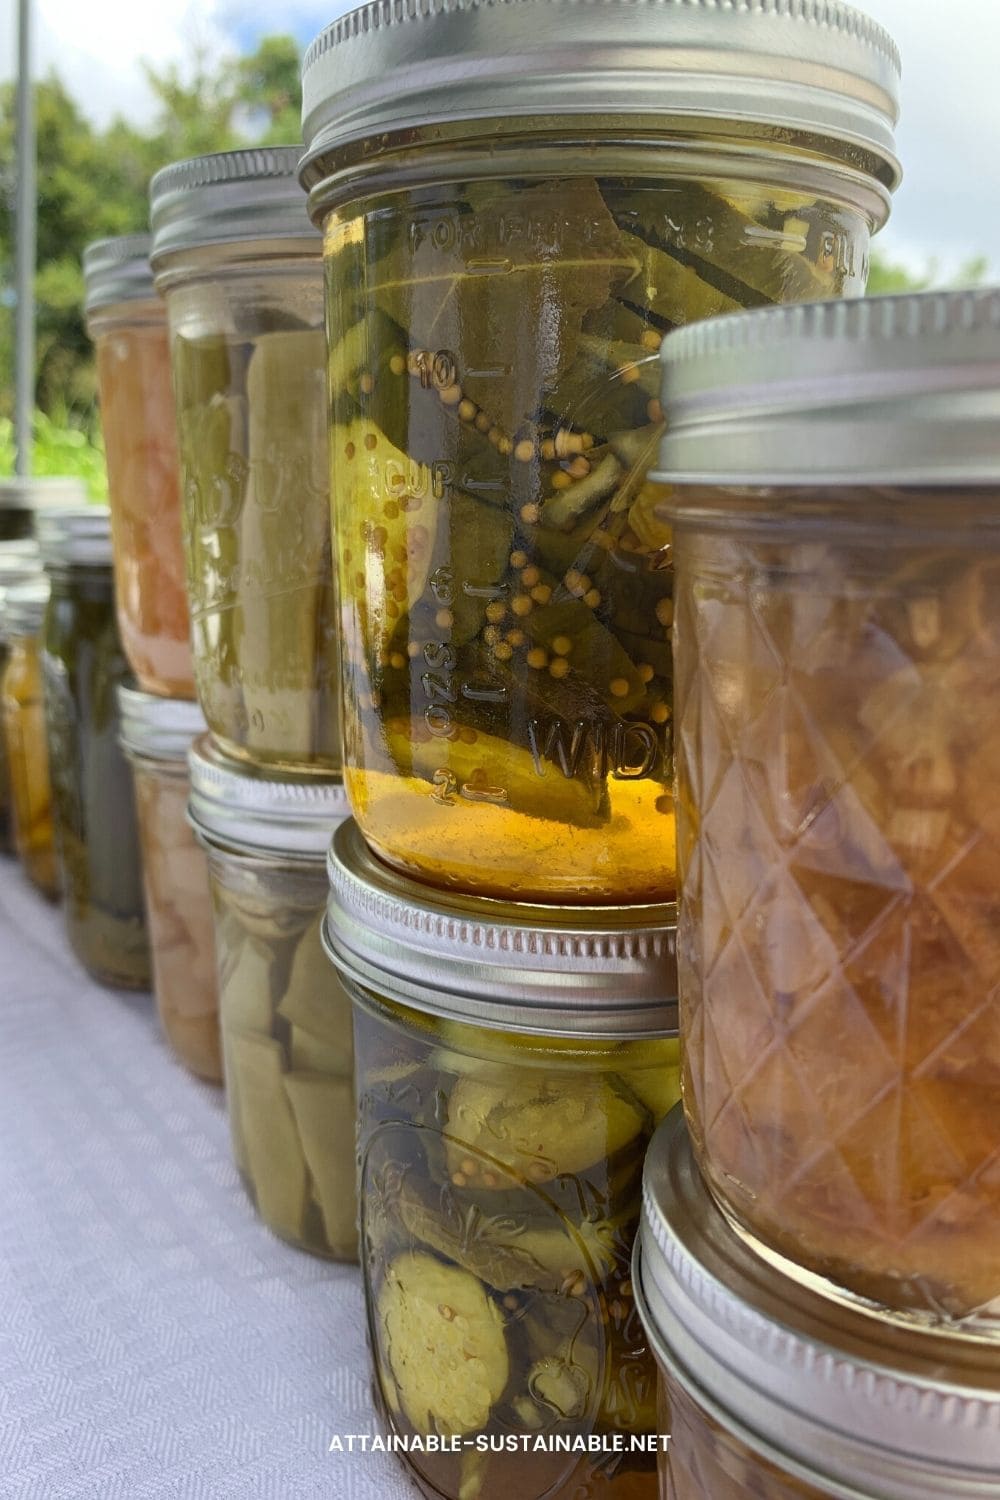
(836,505)
(156,734)
(128,324)
(285,1020)
(96,836)
(240,267)
(511,1064)
(768,1390)
(504,256)
(20,562)
(22,711)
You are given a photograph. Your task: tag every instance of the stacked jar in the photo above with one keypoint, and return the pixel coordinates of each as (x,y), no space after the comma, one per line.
(835,479)
(240,269)
(159,720)
(504,257)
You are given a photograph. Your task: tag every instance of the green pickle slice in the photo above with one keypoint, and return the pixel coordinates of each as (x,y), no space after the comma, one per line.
(444,1344)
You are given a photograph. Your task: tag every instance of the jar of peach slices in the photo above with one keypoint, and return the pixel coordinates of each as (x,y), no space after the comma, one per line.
(836,511)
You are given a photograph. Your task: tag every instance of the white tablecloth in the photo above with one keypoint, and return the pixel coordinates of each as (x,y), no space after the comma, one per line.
(155,1340)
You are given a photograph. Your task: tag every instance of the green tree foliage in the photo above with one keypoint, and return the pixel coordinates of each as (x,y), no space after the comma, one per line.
(93,183)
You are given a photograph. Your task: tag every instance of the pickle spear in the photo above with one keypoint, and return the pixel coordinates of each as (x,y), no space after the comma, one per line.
(325,1115)
(275,1163)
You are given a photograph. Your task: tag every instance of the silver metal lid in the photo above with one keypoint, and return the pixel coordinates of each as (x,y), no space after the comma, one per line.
(228,198)
(836,1396)
(22,606)
(33,491)
(19,561)
(570,970)
(239,806)
(74,534)
(884,390)
(117,270)
(805,65)
(160,728)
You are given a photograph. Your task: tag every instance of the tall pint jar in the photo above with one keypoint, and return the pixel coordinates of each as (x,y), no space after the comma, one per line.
(20,563)
(518,202)
(511,1062)
(128,323)
(22,723)
(285,1020)
(97,838)
(836,505)
(240,267)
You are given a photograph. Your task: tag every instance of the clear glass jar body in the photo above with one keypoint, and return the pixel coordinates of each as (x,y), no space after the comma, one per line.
(249,361)
(705,1461)
(500,1183)
(97,838)
(495,408)
(287,1049)
(140,445)
(179,913)
(838,704)
(23,707)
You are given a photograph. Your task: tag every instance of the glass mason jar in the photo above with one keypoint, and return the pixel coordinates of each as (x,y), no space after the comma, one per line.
(503,259)
(511,1064)
(156,734)
(240,267)
(286,1023)
(23,494)
(770,1390)
(20,562)
(837,659)
(128,324)
(22,707)
(83,664)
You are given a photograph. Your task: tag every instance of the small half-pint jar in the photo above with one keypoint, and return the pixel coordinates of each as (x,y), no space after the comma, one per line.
(240,267)
(22,724)
(287,1048)
(20,562)
(836,513)
(83,665)
(512,1062)
(156,735)
(769,1390)
(519,201)
(128,324)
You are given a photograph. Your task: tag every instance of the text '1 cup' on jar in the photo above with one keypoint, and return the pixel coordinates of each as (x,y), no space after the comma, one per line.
(512,1062)
(240,267)
(128,324)
(835,499)
(512,222)
(22,726)
(83,664)
(768,1389)
(156,735)
(287,1047)
(20,562)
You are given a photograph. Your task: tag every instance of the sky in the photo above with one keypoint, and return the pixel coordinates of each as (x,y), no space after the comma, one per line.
(949,135)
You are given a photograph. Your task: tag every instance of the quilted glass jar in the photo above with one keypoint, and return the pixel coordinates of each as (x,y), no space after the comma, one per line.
(771,1391)
(22,710)
(511,1065)
(837,658)
(97,839)
(156,734)
(128,324)
(285,1020)
(503,259)
(240,268)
